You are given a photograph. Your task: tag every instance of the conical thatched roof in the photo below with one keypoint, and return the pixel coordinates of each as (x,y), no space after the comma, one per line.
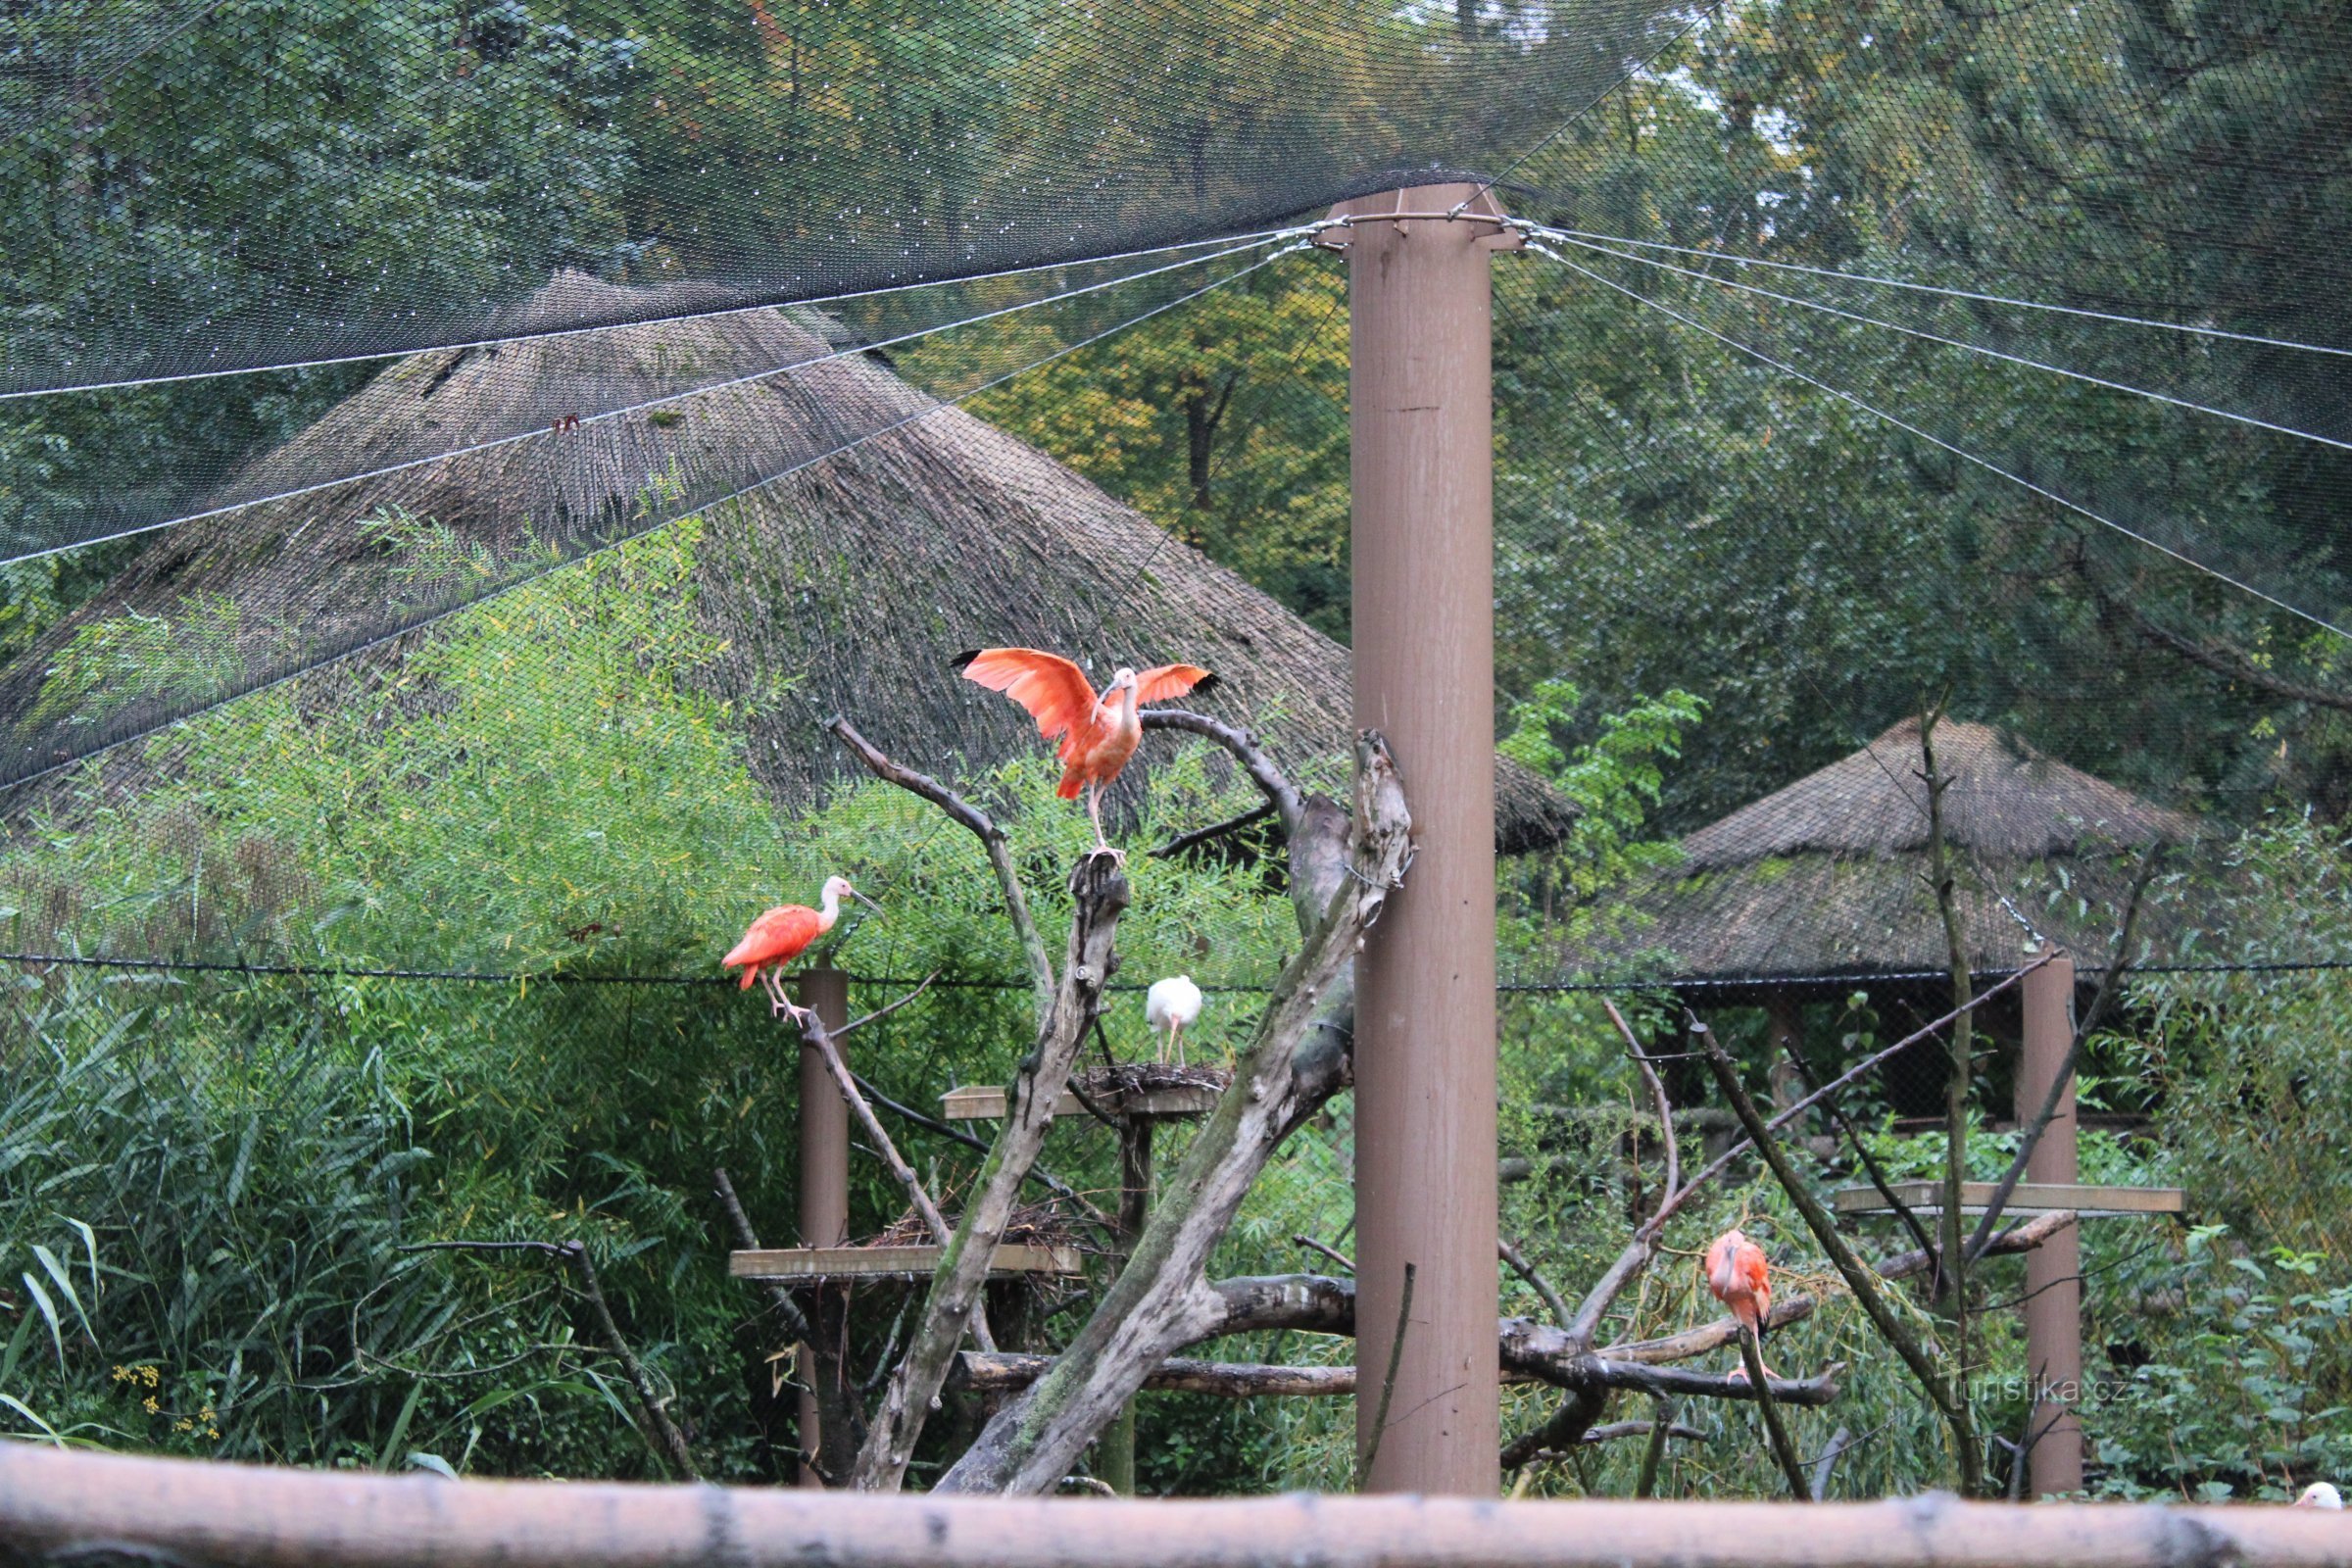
(1826,876)
(901,532)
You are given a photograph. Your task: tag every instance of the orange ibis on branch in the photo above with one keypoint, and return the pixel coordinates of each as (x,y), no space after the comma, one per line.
(1097,734)
(1742,1280)
(782,935)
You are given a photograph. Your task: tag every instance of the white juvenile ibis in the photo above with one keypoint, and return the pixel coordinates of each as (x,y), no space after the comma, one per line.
(1168,1006)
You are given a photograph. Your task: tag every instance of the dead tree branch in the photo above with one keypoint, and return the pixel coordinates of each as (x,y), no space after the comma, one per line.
(1098,896)
(955,1133)
(1869,1161)
(660,1434)
(1211,833)
(885,1011)
(1951,1275)
(1657,1096)
(1568,1425)
(1289,807)
(1534,1282)
(2110,987)
(984,828)
(1949,1401)
(1328,1251)
(1776,1431)
(1161,1299)
(813,1036)
(1638,1251)
(1839,1440)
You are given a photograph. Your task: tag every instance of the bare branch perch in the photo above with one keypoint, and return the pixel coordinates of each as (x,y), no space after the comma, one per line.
(1098,896)
(1288,806)
(1161,1299)
(1638,1251)
(984,828)
(885,1011)
(1534,1282)
(661,1435)
(2110,986)
(1947,1398)
(812,1035)
(1211,833)
(1776,1431)
(955,1133)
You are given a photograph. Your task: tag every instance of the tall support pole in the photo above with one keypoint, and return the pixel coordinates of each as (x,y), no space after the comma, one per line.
(1420,327)
(824,1181)
(2054,1269)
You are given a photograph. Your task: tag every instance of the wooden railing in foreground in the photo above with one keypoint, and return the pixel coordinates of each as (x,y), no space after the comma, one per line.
(82,1507)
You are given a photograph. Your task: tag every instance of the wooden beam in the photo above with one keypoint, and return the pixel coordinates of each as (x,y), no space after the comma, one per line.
(2031,1198)
(916,1261)
(59,1506)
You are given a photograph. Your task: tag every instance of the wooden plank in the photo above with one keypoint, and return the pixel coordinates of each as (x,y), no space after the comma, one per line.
(2031,1198)
(59,1506)
(913,1261)
(981,1102)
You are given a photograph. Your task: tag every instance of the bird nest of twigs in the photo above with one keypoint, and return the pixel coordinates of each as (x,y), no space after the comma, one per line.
(1044,1224)
(1124,1078)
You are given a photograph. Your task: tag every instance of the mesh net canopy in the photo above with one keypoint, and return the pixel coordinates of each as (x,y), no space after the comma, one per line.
(458,459)
(1858,361)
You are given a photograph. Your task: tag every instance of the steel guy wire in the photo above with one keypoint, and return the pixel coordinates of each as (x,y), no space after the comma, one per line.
(502,589)
(846,351)
(1973,348)
(781,302)
(1586,236)
(1962,453)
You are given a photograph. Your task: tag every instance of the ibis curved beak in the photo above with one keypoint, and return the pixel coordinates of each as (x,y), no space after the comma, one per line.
(863,899)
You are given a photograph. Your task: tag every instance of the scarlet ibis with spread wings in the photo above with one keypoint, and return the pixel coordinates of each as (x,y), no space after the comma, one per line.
(1098,733)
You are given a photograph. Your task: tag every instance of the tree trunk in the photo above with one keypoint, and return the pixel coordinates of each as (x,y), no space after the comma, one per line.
(1099,893)
(1162,1300)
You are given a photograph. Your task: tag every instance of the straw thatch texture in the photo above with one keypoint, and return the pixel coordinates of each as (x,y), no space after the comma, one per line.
(873,535)
(1828,876)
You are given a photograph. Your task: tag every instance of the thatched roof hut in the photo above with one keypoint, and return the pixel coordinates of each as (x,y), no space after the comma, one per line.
(856,535)
(1826,878)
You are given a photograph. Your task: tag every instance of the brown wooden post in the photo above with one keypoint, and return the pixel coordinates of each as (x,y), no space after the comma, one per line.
(2053,1270)
(1421,399)
(824,1176)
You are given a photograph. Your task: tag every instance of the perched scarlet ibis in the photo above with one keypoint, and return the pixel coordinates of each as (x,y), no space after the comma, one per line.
(1098,733)
(1168,1006)
(782,935)
(1742,1280)
(2319,1494)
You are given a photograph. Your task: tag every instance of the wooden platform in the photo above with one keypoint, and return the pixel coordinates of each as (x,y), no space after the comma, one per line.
(2031,1198)
(803,1263)
(984,1102)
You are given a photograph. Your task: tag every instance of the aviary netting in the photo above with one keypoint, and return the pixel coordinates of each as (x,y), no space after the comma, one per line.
(410,408)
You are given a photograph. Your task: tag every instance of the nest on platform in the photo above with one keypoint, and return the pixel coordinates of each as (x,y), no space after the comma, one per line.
(1125,1078)
(1048,1224)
